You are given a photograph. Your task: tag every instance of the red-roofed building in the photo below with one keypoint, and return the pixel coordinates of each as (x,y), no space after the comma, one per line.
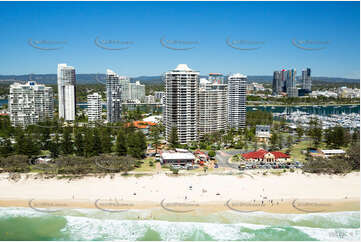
(142,125)
(266,156)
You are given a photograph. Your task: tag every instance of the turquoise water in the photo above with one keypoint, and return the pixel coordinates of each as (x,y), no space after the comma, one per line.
(92,224)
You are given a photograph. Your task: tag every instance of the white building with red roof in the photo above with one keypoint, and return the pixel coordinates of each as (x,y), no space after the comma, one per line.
(266,156)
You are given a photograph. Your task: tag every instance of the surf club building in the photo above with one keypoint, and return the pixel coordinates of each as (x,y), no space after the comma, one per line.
(262,155)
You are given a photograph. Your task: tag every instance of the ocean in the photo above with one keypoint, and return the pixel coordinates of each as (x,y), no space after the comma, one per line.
(157,225)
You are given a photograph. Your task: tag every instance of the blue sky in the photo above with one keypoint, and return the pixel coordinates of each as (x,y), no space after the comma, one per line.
(332,27)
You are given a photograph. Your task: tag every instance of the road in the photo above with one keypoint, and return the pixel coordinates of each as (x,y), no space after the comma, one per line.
(222,159)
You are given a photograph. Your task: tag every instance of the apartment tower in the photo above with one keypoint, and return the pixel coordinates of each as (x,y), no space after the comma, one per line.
(237,84)
(66,92)
(181,103)
(114,96)
(30,103)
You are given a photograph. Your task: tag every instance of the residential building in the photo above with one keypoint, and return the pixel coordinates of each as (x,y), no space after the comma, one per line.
(94,107)
(159,96)
(263,133)
(30,103)
(291,86)
(237,101)
(216,78)
(212,115)
(136,92)
(306,80)
(181,103)
(277,83)
(114,96)
(66,92)
(149,99)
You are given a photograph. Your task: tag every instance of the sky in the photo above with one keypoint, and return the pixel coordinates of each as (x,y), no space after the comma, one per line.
(150,38)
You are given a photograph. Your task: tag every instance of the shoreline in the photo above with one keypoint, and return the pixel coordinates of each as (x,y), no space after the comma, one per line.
(294,206)
(285,193)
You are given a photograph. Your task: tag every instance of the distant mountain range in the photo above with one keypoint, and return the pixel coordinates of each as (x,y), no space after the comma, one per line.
(100,78)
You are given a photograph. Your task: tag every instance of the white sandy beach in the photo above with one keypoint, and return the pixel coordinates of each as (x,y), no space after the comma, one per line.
(204,188)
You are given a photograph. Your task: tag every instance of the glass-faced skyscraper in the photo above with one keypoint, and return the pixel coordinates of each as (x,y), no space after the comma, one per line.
(66,92)
(237,84)
(306,79)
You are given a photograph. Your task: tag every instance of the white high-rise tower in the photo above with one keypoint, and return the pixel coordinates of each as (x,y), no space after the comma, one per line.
(66,92)
(181,103)
(237,101)
(30,103)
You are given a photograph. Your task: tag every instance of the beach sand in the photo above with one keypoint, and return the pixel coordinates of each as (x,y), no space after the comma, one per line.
(285,193)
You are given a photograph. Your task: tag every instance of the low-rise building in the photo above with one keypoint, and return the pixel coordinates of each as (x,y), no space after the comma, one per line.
(332,153)
(144,126)
(177,158)
(263,133)
(262,155)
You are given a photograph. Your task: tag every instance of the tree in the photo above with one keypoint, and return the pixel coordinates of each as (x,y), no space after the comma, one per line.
(315,131)
(274,140)
(79,143)
(280,141)
(5,147)
(121,143)
(54,146)
(173,137)
(289,141)
(106,140)
(155,137)
(336,137)
(353,154)
(67,144)
(211,153)
(300,132)
(136,145)
(97,145)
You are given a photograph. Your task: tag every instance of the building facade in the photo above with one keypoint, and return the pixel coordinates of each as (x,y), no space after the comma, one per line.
(237,101)
(94,107)
(306,80)
(181,103)
(114,96)
(291,84)
(136,92)
(66,92)
(277,83)
(30,103)
(212,115)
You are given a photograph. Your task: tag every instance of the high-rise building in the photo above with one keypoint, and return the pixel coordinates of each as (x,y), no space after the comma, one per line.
(212,114)
(124,83)
(66,92)
(277,83)
(291,84)
(94,107)
(114,97)
(159,95)
(30,103)
(237,101)
(283,77)
(136,91)
(216,78)
(306,80)
(181,103)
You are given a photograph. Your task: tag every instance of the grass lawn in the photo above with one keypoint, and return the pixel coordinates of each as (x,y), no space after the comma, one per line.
(296,150)
(146,165)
